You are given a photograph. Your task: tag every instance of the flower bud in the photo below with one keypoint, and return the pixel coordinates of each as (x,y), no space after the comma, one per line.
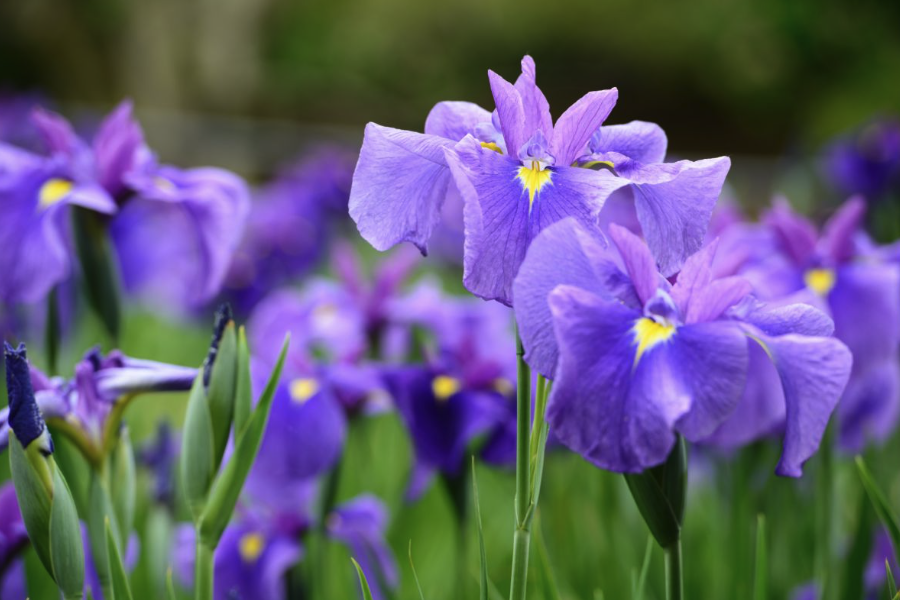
(48,509)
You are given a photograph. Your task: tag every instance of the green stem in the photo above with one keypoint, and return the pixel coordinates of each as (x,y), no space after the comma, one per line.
(203,586)
(674,582)
(522,534)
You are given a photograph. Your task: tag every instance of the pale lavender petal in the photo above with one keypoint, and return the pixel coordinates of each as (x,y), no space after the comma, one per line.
(574,127)
(399,184)
(92,196)
(713,300)
(455,120)
(674,203)
(796,233)
(638,140)
(801,319)
(694,276)
(535,105)
(510,111)
(638,261)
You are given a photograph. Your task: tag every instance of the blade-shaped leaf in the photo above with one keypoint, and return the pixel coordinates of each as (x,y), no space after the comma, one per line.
(892,585)
(100,516)
(123,485)
(641,583)
(170,585)
(415,575)
(483,594)
(66,549)
(882,507)
(197,464)
(760,578)
(227,487)
(548,580)
(95,256)
(220,395)
(363,583)
(852,581)
(243,397)
(120,586)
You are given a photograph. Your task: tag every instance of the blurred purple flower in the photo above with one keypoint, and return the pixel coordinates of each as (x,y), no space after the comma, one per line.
(876,573)
(640,359)
(13,540)
(517,173)
(159,456)
(866,161)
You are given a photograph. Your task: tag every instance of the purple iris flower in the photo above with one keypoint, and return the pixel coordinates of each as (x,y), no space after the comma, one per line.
(99,382)
(174,230)
(637,359)
(290,225)
(866,161)
(160,456)
(519,172)
(839,271)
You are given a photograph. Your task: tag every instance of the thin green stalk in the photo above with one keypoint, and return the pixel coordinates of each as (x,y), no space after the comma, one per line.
(203,586)
(824,508)
(522,534)
(674,579)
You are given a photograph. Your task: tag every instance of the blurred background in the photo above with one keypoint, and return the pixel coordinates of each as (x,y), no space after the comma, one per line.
(249,85)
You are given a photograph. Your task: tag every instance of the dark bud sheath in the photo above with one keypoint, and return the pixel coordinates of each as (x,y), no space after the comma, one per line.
(222,318)
(24,415)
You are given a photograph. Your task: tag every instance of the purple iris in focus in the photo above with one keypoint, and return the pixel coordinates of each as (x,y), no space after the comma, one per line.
(866,161)
(174,230)
(636,359)
(86,401)
(519,172)
(839,272)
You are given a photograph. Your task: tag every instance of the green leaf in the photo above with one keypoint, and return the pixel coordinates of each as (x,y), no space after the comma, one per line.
(123,486)
(33,482)
(227,487)
(882,507)
(760,578)
(121,589)
(100,513)
(197,464)
(97,267)
(892,585)
(415,575)
(548,580)
(220,396)
(243,398)
(641,583)
(66,549)
(170,585)
(363,583)
(659,493)
(852,581)
(483,594)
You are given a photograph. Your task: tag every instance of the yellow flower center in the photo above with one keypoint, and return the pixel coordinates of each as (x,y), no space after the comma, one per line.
(492,146)
(252,546)
(53,191)
(504,386)
(649,333)
(820,280)
(533,178)
(303,388)
(444,386)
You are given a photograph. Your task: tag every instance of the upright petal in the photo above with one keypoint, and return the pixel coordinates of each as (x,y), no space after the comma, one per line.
(574,127)
(535,105)
(564,253)
(674,203)
(695,274)
(56,132)
(399,184)
(713,300)
(455,120)
(638,262)
(795,232)
(617,416)
(638,140)
(511,112)
(118,147)
(814,372)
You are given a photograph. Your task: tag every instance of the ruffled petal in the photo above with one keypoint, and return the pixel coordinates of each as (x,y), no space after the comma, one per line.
(574,127)
(455,120)
(674,203)
(399,184)
(638,140)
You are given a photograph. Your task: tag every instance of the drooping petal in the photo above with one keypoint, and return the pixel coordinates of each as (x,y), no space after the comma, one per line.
(399,184)
(870,407)
(505,210)
(574,127)
(674,203)
(638,140)
(638,261)
(564,253)
(814,372)
(840,230)
(617,416)
(251,563)
(796,233)
(801,319)
(510,111)
(534,104)
(455,120)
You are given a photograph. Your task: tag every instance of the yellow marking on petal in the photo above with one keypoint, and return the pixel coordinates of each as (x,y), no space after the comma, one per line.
(533,179)
(53,191)
(492,146)
(820,280)
(648,333)
(303,388)
(164,184)
(594,163)
(251,547)
(325,315)
(504,386)
(444,386)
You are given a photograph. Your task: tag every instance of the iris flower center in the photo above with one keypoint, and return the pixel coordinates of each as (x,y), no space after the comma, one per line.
(444,386)
(820,280)
(533,177)
(303,388)
(251,547)
(648,333)
(53,191)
